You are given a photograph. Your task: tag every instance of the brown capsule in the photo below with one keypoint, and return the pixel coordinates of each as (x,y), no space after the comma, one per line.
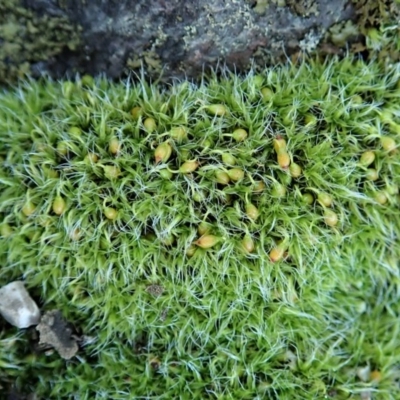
(330,218)
(277,253)
(248,244)
(150,125)
(207,241)
(252,211)
(367,158)
(236,174)
(59,205)
(295,170)
(239,135)
(110,213)
(283,160)
(163,152)
(188,167)
(222,177)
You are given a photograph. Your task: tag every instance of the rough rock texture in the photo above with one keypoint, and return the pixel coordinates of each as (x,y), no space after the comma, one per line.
(176,36)
(54,331)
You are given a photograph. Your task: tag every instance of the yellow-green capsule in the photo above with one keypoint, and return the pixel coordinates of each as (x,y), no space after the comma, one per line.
(388,143)
(278,190)
(178,133)
(75,131)
(381,198)
(75,234)
(372,174)
(28,209)
(217,109)
(330,218)
(295,170)
(59,205)
(310,120)
(111,172)
(236,174)
(188,166)
(62,148)
(114,146)
(367,158)
(325,199)
(307,198)
(279,145)
(252,211)
(258,187)
(228,159)
(392,189)
(5,230)
(203,228)
(87,80)
(191,250)
(248,244)
(163,152)
(91,158)
(267,94)
(198,196)
(136,112)
(222,177)
(150,125)
(110,213)
(207,241)
(239,135)
(277,253)
(283,159)
(166,174)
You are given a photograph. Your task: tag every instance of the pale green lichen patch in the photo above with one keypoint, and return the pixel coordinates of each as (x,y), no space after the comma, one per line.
(27,38)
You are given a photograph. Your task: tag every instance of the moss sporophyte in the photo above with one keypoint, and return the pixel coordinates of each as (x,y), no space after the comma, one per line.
(263,208)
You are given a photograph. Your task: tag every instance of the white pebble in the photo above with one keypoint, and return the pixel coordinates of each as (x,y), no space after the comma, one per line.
(17,307)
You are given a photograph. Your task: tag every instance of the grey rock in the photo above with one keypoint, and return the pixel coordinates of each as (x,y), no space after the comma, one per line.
(55,331)
(181,38)
(17,307)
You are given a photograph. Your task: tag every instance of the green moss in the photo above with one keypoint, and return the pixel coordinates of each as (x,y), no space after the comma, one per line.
(27,38)
(172,319)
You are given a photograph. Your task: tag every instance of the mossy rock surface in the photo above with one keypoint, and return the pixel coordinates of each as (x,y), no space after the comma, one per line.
(209,267)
